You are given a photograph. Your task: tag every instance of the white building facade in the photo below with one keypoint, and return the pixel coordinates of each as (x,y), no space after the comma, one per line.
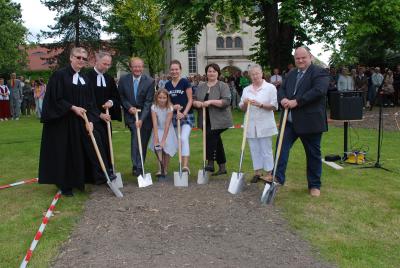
(230,51)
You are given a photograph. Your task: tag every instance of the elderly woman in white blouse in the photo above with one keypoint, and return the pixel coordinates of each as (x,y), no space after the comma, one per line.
(263,99)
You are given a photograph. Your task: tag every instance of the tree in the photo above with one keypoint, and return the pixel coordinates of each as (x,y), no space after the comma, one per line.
(282,25)
(137,26)
(372,35)
(77,24)
(13,33)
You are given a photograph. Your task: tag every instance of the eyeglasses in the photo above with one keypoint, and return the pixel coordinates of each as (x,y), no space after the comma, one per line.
(80,58)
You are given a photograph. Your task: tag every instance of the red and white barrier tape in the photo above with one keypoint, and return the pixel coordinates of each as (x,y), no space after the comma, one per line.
(19,183)
(39,233)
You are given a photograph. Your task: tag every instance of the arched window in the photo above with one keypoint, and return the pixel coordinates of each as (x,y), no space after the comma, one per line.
(220,42)
(229,42)
(238,42)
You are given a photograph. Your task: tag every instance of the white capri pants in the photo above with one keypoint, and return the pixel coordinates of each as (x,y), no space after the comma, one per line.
(185,136)
(261,153)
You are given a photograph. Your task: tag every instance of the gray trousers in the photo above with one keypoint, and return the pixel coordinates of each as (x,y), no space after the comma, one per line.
(15,107)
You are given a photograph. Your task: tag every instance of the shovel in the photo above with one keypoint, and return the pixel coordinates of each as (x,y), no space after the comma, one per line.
(203,175)
(144,180)
(237,179)
(269,192)
(112,186)
(159,154)
(180,178)
(118,181)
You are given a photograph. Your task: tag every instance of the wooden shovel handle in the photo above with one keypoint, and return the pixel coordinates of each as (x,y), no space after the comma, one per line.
(246,124)
(179,143)
(110,140)
(139,140)
(96,148)
(279,147)
(204,137)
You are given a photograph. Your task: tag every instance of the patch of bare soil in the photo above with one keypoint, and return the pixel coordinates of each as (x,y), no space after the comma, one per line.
(390,119)
(198,226)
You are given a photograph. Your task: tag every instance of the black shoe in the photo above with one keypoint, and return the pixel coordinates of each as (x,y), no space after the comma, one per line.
(67,192)
(209,168)
(255,178)
(219,172)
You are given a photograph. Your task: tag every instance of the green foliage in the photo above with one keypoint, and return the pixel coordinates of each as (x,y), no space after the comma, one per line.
(373,33)
(282,25)
(34,75)
(13,33)
(77,24)
(137,26)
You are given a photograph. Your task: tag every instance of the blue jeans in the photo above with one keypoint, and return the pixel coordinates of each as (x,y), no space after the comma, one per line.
(312,148)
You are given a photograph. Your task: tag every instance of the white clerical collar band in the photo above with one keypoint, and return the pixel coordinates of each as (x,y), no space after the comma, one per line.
(75,79)
(101,81)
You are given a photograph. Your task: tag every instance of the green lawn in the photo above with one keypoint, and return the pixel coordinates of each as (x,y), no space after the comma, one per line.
(355,222)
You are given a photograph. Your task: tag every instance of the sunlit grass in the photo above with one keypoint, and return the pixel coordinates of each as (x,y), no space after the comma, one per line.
(355,222)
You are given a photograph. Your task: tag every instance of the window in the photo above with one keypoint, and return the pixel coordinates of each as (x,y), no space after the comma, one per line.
(238,42)
(192,56)
(229,42)
(220,42)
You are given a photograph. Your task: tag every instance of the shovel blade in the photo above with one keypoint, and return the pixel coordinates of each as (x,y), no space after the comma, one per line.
(269,193)
(118,181)
(114,189)
(202,177)
(181,179)
(146,181)
(236,183)
(264,195)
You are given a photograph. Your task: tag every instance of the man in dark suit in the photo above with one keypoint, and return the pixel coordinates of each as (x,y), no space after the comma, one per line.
(304,93)
(137,91)
(106,95)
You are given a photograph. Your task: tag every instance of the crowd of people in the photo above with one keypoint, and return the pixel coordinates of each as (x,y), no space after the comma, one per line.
(19,96)
(156,108)
(370,81)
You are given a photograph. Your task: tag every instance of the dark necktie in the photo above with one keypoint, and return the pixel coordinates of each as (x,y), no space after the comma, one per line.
(298,78)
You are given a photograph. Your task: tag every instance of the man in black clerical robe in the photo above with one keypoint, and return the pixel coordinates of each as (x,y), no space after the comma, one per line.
(67,156)
(106,95)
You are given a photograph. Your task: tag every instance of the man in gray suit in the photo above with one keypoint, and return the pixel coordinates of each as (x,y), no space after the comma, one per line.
(16,95)
(137,92)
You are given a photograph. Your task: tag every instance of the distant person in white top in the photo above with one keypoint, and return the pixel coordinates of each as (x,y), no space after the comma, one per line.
(276,79)
(262,126)
(345,81)
(163,80)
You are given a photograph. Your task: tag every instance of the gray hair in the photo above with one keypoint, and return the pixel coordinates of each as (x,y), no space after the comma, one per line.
(77,50)
(255,66)
(101,54)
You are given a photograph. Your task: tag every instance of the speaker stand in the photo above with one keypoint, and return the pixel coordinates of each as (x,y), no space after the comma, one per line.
(345,138)
(380,134)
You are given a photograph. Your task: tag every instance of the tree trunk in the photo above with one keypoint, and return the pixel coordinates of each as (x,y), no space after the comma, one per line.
(279,38)
(76,24)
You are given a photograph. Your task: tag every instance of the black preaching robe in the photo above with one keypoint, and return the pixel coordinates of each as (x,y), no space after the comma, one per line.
(67,156)
(102,95)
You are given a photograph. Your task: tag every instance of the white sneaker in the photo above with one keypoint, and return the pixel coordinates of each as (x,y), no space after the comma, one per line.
(17,118)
